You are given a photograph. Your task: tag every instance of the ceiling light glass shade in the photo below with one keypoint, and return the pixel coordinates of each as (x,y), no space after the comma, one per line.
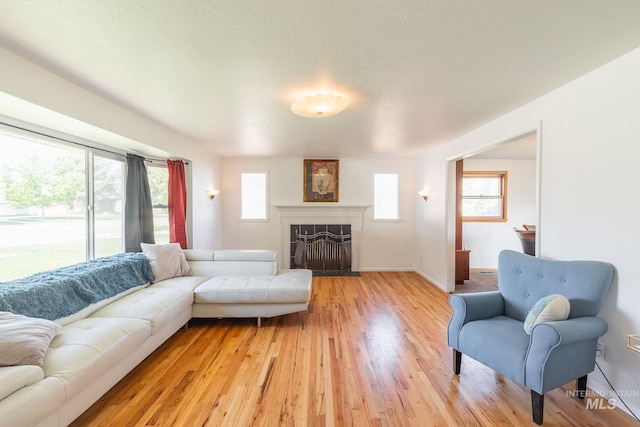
(320,105)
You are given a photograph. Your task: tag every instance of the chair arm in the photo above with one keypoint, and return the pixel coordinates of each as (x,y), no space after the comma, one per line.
(472,306)
(569,331)
(573,338)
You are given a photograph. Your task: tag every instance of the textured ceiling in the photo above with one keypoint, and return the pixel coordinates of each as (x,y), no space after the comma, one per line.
(224,73)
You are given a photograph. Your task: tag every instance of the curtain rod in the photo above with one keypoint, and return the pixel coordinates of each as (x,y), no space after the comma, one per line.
(148,159)
(58,138)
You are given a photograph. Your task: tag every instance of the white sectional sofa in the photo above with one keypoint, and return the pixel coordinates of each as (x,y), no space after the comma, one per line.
(98,345)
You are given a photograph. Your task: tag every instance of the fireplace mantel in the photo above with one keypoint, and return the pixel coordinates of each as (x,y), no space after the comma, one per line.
(324,212)
(321,213)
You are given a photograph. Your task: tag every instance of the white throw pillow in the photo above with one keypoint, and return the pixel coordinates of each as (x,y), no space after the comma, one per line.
(547,309)
(166,261)
(24,340)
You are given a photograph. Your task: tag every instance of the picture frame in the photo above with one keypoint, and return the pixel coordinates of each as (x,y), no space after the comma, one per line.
(321,180)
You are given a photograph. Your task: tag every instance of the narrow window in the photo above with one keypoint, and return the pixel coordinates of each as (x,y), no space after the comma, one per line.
(159,187)
(484,196)
(253,198)
(385,196)
(108,194)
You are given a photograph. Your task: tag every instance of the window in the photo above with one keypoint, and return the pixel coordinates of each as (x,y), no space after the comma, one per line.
(253,196)
(43,206)
(484,196)
(385,196)
(108,194)
(159,188)
(61,202)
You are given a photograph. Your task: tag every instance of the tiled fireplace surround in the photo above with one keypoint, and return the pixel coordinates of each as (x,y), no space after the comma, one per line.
(320,214)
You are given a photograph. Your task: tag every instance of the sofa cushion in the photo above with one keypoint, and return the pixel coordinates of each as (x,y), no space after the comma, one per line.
(234,289)
(24,340)
(233,262)
(286,288)
(166,261)
(156,305)
(245,255)
(240,268)
(198,254)
(85,312)
(291,286)
(34,404)
(184,282)
(547,309)
(84,350)
(13,378)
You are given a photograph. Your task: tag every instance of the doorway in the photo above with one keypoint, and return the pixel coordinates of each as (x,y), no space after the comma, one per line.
(520,156)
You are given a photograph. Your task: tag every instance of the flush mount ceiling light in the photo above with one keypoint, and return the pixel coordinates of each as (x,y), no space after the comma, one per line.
(319,105)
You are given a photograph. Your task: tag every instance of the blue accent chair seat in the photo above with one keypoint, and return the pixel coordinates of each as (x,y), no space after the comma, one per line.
(489,326)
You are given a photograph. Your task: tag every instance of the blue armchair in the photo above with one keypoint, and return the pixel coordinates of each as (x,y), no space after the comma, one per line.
(489,326)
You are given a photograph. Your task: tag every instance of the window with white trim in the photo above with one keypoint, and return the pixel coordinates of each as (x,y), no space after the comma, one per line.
(253,196)
(386,196)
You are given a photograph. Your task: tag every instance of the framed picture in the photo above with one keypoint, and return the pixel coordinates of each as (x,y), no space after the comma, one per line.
(321,180)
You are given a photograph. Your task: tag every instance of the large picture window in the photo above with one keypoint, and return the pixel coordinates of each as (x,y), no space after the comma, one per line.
(61,202)
(484,196)
(43,206)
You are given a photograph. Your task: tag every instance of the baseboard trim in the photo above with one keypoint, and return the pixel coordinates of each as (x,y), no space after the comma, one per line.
(432,280)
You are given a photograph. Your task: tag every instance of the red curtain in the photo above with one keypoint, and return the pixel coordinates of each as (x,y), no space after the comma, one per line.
(177,203)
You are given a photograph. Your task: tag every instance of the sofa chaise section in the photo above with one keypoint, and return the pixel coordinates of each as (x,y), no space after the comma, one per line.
(247,283)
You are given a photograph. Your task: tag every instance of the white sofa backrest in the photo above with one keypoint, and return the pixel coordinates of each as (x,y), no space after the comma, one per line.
(232,262)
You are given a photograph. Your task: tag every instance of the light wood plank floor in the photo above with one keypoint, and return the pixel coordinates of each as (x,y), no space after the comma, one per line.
(371,351)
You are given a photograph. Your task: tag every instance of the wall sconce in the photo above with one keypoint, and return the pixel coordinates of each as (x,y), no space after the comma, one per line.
(211,194)
(425,194)
(633,342)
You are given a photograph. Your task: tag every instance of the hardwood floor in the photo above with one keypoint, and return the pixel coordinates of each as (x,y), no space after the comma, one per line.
(371,351)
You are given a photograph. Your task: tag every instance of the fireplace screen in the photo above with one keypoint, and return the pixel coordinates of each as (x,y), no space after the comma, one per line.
(323,252)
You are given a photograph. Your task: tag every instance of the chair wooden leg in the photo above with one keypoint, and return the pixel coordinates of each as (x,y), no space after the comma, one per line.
(457,360)
(537,407)
(581,387)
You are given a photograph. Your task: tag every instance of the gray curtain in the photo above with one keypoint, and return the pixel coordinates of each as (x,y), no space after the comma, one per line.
(138,210)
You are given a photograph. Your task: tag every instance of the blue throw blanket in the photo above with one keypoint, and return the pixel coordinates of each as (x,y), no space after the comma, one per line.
(59,293)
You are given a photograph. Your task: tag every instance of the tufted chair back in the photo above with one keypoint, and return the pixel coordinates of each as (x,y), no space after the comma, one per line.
(524,279)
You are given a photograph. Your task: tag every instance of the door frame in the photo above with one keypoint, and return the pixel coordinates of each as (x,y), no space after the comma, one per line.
(451,184)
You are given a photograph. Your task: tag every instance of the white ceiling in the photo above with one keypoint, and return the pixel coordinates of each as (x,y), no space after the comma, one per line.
(224,72)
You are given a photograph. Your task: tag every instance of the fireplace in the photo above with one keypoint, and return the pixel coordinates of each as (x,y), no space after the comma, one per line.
(349,217)
(323,248)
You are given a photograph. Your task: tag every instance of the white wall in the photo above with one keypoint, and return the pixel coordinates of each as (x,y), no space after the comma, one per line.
(487,239)
(588,190)
(384,246)
(51,101)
